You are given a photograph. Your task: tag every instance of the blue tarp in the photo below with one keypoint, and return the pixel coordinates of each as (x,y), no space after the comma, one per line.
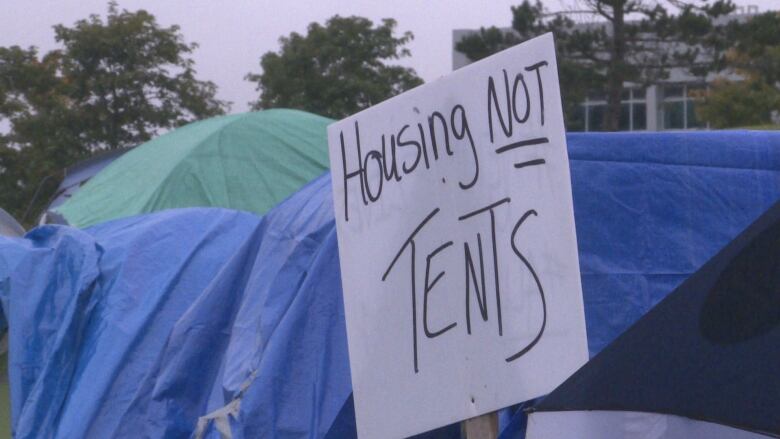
(722,324)
(78,174)
(190,322)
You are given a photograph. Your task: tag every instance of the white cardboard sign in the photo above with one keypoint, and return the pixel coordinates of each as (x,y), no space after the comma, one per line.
(458,250)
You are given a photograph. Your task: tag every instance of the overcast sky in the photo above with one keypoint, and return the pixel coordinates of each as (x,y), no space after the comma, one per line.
(234,34)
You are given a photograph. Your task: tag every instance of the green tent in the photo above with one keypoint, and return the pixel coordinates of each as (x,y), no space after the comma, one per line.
(248,161)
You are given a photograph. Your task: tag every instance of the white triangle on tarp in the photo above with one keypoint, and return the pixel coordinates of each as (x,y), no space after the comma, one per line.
(9,226)
(627,425)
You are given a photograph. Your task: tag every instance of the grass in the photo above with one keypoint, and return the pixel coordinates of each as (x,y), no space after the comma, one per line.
(5,398)
(769,126)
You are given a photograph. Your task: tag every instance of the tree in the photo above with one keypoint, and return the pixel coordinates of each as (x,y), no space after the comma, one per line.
(337,69)
(632,41)
(43,136)
(114,83)
(743,103)
(752,92)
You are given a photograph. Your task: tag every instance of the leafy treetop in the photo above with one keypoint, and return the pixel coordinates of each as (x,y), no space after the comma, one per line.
(336,69)
(113,83)
(626,41)
(754,57)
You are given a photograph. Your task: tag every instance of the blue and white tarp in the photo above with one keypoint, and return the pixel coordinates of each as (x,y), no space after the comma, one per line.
(199,322)
(702,364)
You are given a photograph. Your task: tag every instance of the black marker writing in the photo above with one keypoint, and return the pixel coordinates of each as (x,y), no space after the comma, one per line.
(410,243)
(536,68)
(470,274)
(535,162)
(522,143)
(353,174)
(527,264)
(424,140)
(510,114)
(459,134)
(475,276)
(428,287)
(489,208)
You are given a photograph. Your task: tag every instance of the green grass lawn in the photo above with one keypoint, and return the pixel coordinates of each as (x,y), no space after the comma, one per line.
(5,399)
(763,127)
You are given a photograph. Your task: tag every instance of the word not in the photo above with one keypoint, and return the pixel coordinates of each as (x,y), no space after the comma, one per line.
(509,114)
(510,110)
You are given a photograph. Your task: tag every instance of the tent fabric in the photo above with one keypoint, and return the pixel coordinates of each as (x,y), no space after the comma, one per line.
(191,322)
(8,225)
(709,351)
(139,327)
(77,175)
(250,162)
(627,425)
(652,208)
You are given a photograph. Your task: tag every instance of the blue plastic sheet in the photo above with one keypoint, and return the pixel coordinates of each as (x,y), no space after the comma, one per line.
(193,322)
(722,324)
(651,209)
(80,173)
(139,327)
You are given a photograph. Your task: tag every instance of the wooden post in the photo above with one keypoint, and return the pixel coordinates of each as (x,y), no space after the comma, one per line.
(481,427)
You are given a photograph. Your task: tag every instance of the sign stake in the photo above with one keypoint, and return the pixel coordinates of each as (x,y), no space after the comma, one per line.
(481,427)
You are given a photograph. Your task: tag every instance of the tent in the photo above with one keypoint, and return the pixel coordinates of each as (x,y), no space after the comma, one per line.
(189,322)
(155,324)
(702,364)
(248,161)
(75,177)
(8,225)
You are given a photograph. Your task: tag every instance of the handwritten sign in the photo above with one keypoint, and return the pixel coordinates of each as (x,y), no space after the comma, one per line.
(458,250)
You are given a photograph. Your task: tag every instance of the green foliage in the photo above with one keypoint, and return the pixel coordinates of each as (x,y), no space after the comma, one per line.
(487,42)
(114,83)
(631,41)
(754,56)
(739,103)
(335,70)
(756,47)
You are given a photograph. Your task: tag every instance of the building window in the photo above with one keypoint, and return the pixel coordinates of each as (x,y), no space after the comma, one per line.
(674,114)
(633,111)
(677,109)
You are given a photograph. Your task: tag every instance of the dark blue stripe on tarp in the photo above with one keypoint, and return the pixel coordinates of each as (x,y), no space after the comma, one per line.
(709,351)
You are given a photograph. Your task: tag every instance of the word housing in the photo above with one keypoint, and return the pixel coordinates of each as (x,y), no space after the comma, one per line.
(420,144)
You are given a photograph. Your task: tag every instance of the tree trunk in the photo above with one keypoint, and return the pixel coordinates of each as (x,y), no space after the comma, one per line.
(616,69)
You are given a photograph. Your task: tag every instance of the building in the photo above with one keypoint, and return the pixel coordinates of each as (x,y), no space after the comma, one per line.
(663,106)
